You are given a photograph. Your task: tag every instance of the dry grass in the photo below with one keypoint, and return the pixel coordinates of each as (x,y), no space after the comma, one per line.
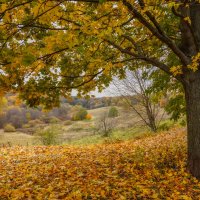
(83,131)
(16,138)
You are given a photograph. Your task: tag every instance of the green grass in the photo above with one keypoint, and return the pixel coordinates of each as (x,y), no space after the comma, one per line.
(118,135)
(130,133)
(17,138)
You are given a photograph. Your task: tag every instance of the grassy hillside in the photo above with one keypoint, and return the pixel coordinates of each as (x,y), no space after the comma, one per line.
(153,167)
(126,126)
(16,138)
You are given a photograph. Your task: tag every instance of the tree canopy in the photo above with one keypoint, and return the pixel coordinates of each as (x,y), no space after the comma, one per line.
(50,47)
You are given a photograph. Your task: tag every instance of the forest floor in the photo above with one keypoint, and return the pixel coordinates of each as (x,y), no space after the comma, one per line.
(152,167)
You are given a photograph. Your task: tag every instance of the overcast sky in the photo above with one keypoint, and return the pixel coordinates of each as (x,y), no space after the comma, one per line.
(105,93)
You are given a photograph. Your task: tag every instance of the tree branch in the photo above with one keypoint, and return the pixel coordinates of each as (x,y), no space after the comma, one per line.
(152,61)
(184,59)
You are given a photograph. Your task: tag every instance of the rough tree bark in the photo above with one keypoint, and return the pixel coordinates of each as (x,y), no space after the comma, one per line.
(192,96)
(191,46)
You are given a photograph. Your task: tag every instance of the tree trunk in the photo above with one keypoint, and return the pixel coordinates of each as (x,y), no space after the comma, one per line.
(190,45)
(151,121)
(192,96)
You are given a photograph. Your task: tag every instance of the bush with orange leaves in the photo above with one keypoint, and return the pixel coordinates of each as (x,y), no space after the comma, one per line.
(88,116)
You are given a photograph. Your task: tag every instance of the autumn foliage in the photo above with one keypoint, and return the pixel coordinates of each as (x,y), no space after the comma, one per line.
(88,116)
(148,168)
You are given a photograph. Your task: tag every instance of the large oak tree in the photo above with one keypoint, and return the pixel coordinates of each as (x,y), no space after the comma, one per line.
(49,47)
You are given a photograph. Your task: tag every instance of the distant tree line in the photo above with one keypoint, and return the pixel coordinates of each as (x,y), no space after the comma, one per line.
(17,113)
(92,103)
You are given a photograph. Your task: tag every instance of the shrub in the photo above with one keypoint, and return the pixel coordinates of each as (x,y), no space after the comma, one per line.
(54,120)
(34,122)
(9,128)
(28,116)
(88,116)
(166,125)
(183,122)
(46,119)
(49,136)
(26,126)
(80,114)
(113,112)
(68,122)
(76,129)
(105,125)
(61,112)
(15,116)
